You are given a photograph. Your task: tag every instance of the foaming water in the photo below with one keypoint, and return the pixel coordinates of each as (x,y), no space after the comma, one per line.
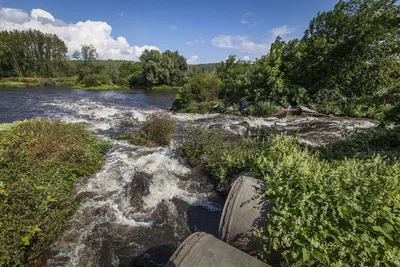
(138,208)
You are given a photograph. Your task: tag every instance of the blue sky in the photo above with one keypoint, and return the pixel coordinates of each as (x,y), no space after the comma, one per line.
(203,31)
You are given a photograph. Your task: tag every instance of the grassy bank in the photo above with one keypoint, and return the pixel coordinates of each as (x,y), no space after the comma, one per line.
(333,206)
(23,82)
(165,88)
(39,162)
(101,87)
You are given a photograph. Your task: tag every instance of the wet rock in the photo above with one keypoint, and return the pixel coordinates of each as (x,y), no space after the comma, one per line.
(48,82)
(84,195)
(139,187)
(231,108)
(306,110)
(215,107)
(287,105)
(276,98)
(244,105)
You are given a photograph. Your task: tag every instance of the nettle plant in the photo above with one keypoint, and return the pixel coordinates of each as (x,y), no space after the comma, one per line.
(338,213)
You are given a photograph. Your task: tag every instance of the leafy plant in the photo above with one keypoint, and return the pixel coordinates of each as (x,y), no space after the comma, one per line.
(339,213)
(264,108)
(39,162)
(158,130)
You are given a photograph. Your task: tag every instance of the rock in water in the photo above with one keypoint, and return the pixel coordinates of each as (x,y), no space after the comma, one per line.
(139,187)
(287,105)
(307,110)
(244,105)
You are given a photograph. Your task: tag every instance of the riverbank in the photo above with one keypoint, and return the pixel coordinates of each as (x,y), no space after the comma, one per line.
(26,82)
(101,87)
(40,161)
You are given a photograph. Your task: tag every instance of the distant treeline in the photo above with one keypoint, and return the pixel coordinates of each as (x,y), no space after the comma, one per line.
(32,53)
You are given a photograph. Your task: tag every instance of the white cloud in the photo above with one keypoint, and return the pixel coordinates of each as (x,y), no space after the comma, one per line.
(243,21)
(13,15)
(121,14)
(249,14)
(192,60)
(197,41)
(173,28)
(247,58)
(241,43)
(37,14)
(75,35)
(281,31)
(244,44)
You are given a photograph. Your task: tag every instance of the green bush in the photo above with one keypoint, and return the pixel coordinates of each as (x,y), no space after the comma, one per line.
(158,130)
(39,162)
(204,107)
(199,89)
(122,82)
(93,80)
(166,88)
(363,145)
(339,213)
(264,108)
(220,158)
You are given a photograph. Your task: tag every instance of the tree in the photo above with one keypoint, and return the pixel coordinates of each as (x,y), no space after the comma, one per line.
(89,52)
(76,55)
(235,77)
(348,52)
(29,53)
(168,68)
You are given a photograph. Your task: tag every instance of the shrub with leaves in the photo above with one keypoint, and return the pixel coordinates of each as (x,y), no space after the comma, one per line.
(264,108)
(339,213)
(158,130)
(219,157)
(39,162)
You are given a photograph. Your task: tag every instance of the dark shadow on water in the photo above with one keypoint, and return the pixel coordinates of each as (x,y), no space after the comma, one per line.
(155,256)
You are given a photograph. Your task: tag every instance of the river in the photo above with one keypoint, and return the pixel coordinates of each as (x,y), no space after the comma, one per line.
(143,202)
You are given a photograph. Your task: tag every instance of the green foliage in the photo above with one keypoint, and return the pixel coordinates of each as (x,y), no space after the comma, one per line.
(363,145)
(39,162)
(339,213)
(93,80)
(89,52)
(204,107)
(157,130)
(220,158)
(264,109)
(343,211)
(198,89)
(29,53)
(168,68)
(166,88)
(235,77)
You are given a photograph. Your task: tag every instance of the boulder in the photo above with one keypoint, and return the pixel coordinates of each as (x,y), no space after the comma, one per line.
(307,110)
(231,108)
(244,105)
(48,82)
(287,105)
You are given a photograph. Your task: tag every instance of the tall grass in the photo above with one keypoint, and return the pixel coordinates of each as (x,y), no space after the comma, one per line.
(39,162)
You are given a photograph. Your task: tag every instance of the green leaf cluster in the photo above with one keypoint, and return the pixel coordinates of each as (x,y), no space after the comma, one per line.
(39,162)
(337,213)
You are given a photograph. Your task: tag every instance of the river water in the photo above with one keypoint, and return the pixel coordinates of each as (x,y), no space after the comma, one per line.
(138,208)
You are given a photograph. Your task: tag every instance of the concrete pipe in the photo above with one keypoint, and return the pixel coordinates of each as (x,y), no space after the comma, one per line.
(204,250)
(243,213)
